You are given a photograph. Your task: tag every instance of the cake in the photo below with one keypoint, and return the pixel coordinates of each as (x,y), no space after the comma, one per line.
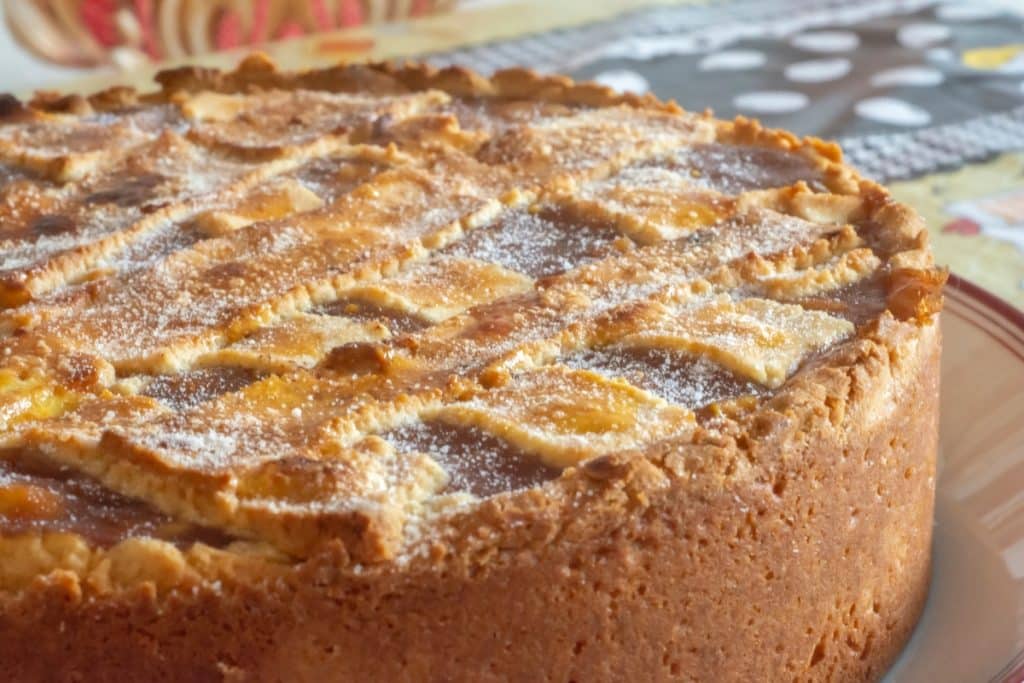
(384,372)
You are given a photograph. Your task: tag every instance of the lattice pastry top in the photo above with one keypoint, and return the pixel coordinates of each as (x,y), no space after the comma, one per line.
(256,312)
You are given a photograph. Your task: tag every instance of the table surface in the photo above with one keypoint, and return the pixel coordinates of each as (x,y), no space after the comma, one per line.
(925,96)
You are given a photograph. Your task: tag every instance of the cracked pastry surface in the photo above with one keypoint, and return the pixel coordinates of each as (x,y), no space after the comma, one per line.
(252,320)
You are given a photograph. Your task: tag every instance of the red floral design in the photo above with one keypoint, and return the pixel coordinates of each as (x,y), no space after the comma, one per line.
(155,29)
(962,226)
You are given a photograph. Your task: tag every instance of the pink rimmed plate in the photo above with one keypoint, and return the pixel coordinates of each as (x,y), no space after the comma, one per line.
(973,625)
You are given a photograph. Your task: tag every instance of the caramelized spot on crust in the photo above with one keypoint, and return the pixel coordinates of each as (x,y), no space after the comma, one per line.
(358,358)
(916,294)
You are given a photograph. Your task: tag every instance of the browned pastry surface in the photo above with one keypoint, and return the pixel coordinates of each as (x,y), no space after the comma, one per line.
(388,373)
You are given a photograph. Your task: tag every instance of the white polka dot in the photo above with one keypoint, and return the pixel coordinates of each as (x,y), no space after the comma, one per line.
(771,101)
(940,54)
(623,80)
(960,11)
(918,36)
(732,60)
(1014,67)
(818,70)
(892,111)
(826,41)
(908,75)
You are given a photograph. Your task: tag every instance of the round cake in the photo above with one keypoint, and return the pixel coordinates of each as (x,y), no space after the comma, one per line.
(389,373)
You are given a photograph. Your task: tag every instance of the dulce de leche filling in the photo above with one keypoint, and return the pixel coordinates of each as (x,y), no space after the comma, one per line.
(38,496)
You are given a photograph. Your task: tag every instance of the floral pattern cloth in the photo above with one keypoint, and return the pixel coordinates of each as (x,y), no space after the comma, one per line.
(128,32)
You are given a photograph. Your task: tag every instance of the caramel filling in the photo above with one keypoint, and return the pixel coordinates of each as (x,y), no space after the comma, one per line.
(157,247)
(689,381)
(330,178)
(475,461)
(397,322)
(128,192)
(860,302)
(39,496)
(537,244)
(734,169)
(198,386)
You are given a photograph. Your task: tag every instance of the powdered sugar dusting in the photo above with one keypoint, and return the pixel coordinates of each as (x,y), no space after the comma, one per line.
(476,462)
(536,243)
(191,388)
(690,381)
(558,144)
(734,169)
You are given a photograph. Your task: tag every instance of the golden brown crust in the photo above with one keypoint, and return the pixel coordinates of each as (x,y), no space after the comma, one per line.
(742,543)
(647,588)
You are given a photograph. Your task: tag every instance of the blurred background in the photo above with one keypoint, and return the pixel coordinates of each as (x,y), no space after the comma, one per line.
(925,95)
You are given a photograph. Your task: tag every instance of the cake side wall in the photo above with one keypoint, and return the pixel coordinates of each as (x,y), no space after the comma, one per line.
(814,569)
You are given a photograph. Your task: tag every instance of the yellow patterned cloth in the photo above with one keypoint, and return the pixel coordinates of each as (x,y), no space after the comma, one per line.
(976,216)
